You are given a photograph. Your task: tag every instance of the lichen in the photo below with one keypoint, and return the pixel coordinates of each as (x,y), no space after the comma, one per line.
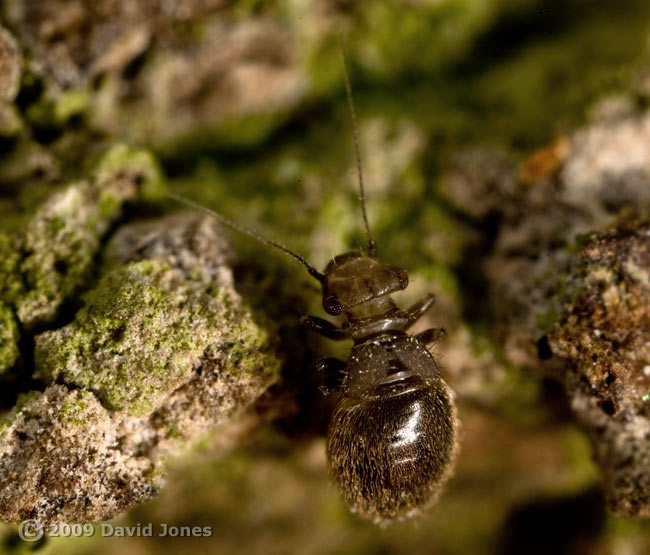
(74,407)
(9,337)
(50,258)
(162,351)
(147,327)
(603,335)
(49,469)
(127,163)
(567,299)
(183,78)
(21,401)
(132,343)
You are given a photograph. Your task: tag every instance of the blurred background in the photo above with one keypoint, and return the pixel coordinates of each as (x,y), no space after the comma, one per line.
(462,105)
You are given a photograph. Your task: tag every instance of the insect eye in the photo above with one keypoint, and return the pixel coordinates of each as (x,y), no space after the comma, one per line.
(332,306)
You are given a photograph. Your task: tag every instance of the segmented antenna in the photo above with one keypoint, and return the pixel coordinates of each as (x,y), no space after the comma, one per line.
(312,271)
(372,246)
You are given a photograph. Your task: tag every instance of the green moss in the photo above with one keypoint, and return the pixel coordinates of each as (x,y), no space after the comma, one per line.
(389,23)
(71,103)
(124,161)
(21,401)
(125,314)
(136,340)
(526,86)
(630,532)
(24,398)
(578,453)
(56,111)
(74,406)
(231,132)
(249,353)
(248,337)
(465,72)
(50,257)
(9,337)
(11,124)
(10,283)
(444,277)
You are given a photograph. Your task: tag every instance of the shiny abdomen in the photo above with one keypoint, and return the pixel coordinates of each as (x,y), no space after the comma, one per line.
(389,451)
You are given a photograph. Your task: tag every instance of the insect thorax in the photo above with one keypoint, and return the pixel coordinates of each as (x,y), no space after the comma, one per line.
(384,359)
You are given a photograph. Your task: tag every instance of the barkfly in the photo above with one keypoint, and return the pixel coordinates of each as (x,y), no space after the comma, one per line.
(391,440)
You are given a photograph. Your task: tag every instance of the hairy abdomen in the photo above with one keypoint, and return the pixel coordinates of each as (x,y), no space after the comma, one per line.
(390,450)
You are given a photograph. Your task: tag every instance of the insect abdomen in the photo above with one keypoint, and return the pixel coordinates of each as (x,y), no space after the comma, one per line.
(391,450)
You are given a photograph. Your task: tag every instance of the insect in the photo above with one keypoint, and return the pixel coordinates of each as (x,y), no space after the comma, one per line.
(391,440)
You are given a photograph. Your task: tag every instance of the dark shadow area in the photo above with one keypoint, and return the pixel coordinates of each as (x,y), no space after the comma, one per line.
(471,273)
(562,526)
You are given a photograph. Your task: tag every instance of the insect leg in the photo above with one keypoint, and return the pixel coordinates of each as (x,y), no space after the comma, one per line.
(323,327)
(430,336)
(418,309)
(329,372)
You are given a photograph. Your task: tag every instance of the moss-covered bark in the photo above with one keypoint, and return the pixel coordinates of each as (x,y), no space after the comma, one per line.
(499,139)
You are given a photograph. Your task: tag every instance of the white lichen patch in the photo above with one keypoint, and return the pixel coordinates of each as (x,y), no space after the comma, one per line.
(61,459)
(610,160)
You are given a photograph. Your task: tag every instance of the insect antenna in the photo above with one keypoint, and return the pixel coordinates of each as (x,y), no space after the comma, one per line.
(251,233)
(372,245)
